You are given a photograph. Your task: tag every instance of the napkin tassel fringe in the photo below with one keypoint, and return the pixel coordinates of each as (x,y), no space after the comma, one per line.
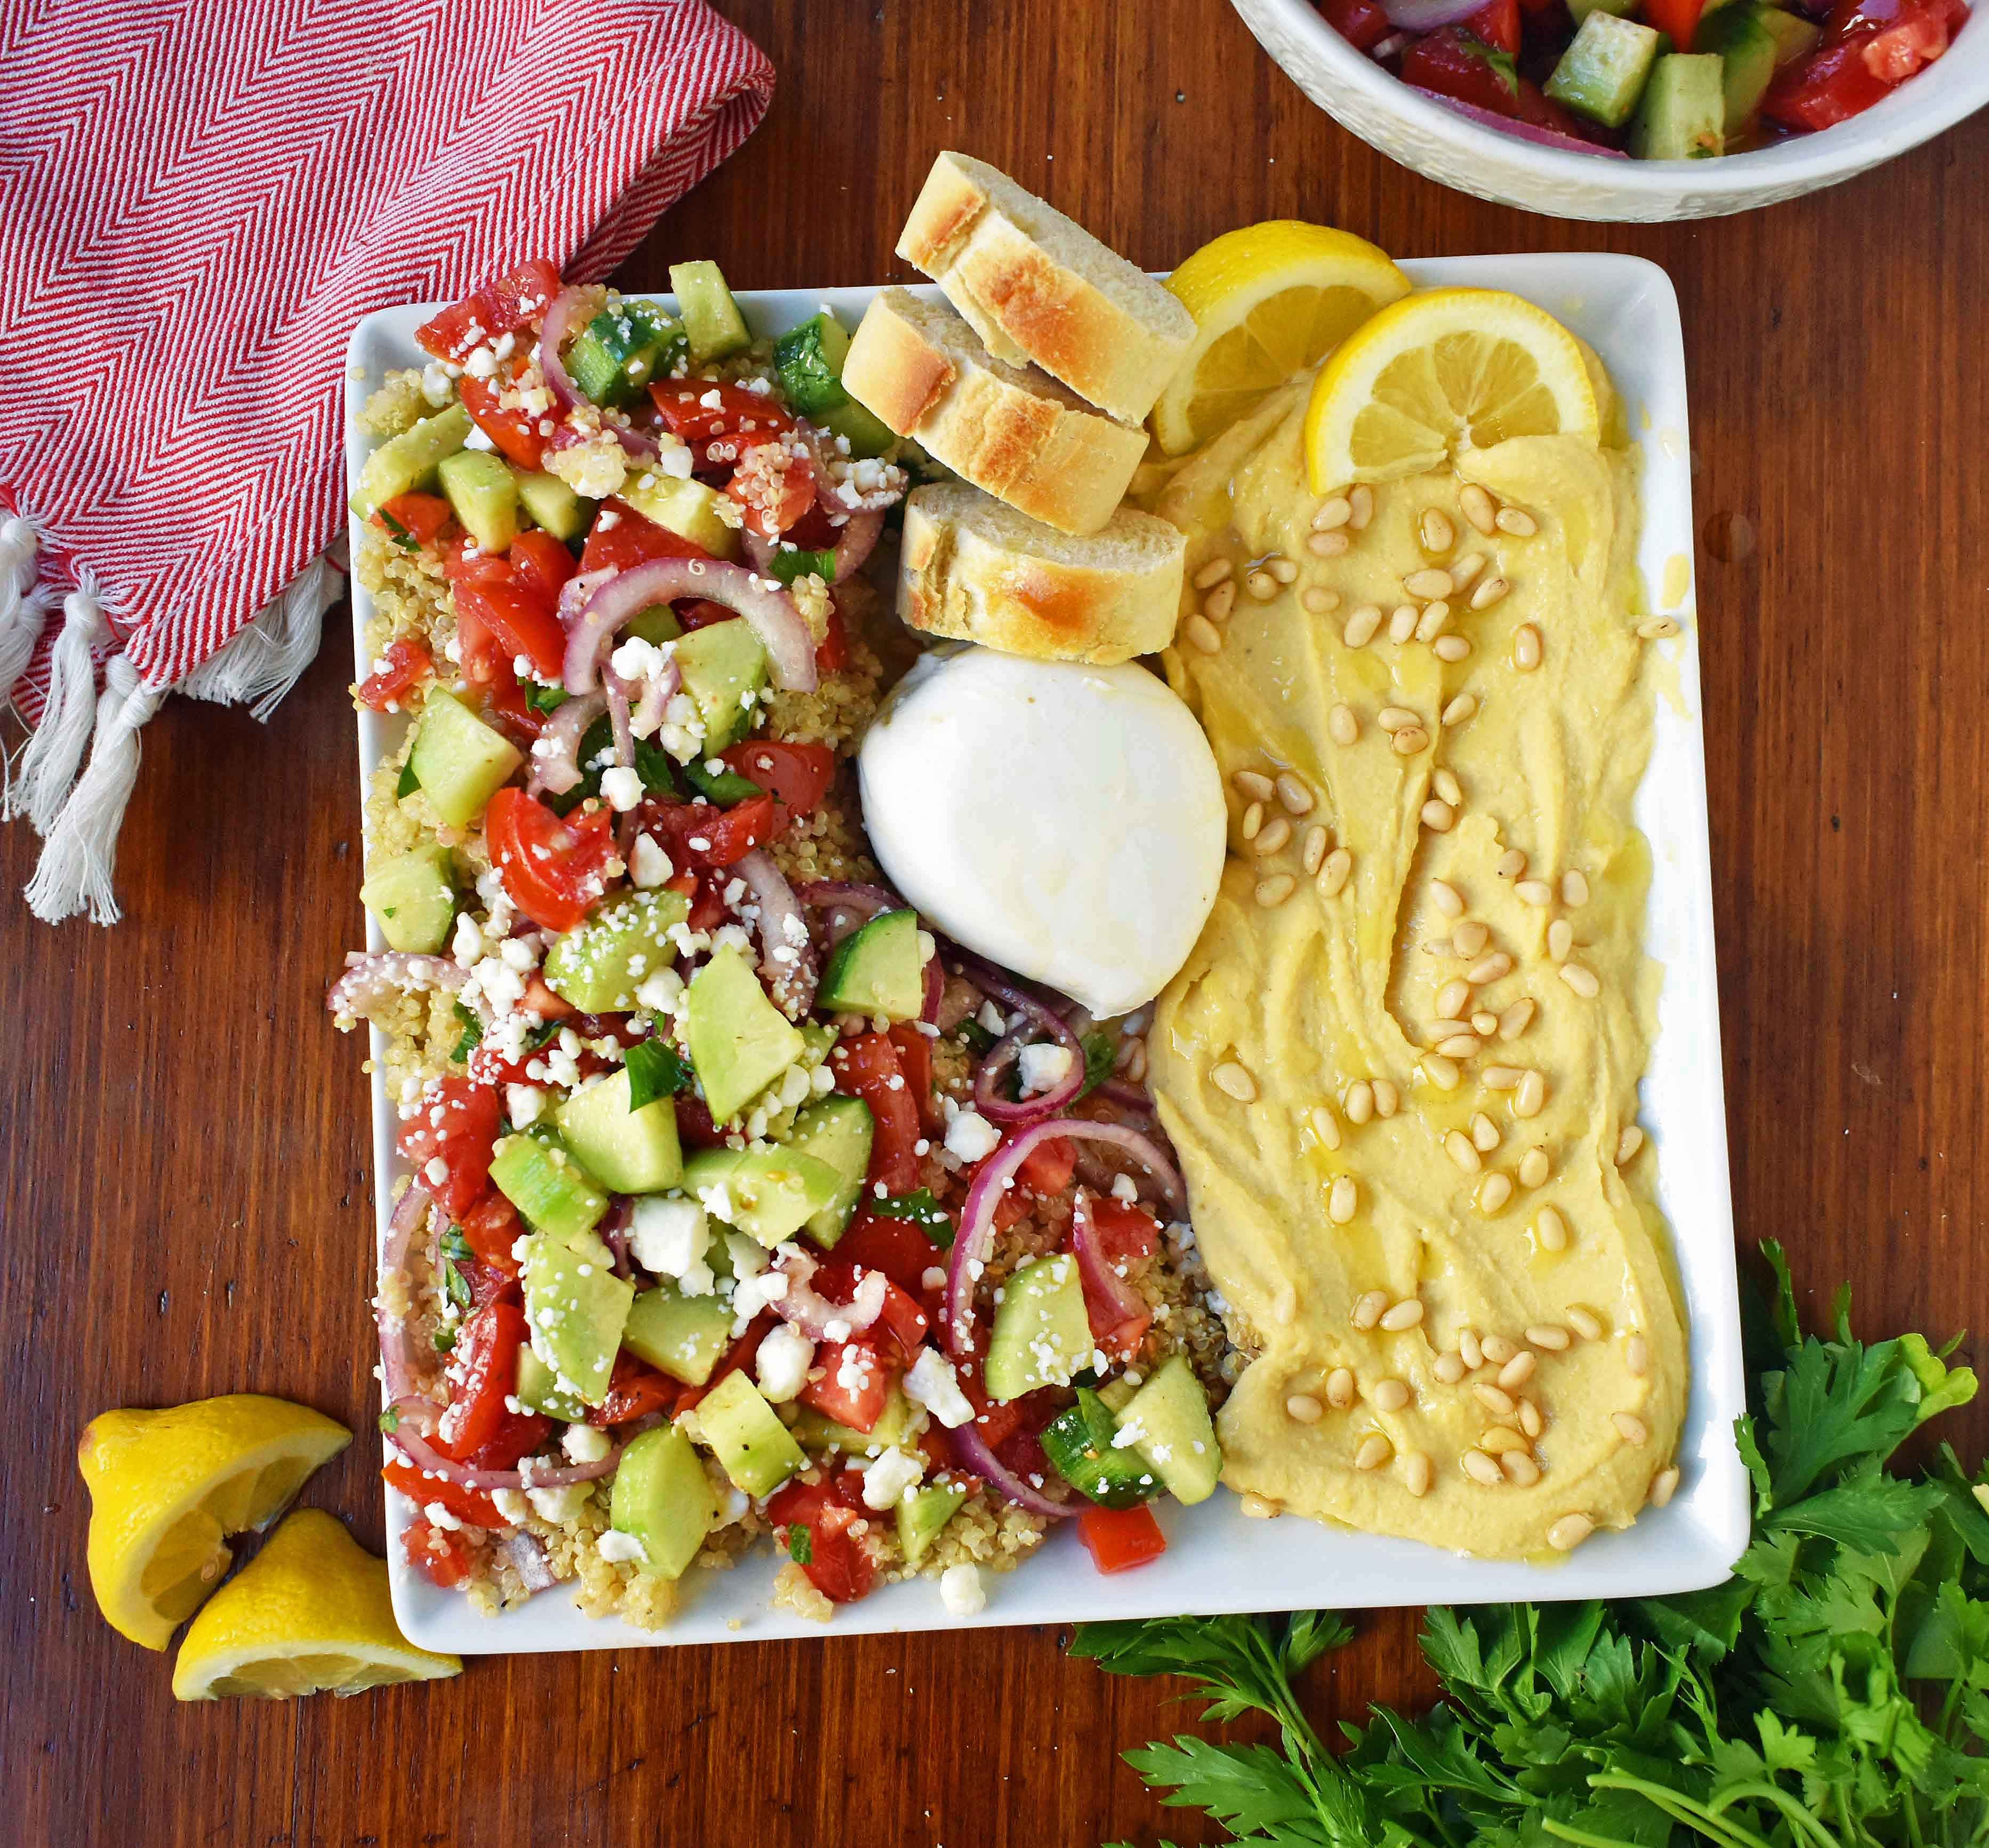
(24,603)
(39,779)
(263,662)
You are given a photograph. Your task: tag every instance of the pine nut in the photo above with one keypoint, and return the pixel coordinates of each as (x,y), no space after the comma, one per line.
(1448,788)
(1448,1368)
(1499,1404)
(1547,1335)
(1259,1507)
(1463,569)
(1501,1078)
(1478,507)
(1333,511)
(1387,1098)
(1531,1420)
(1441,1030)
(1314,856)
(1429,624)
(1628,1143)
(1517,1371)
(1534,1168)
(1630,1427)
(1360,1103)
(1440,1071)
(1273,837)
(1459,1046)
(1457,1146)
(1585,1322)
(1637,1355)
(1495,965)
(1535,891)
(1361,499)
(1203,636)
(1525,647)
(1253,821)
(1409,740)
(1213,574)
(1471,1348)
(1428,584)
(1574,888)
(1341,725)
(1293,794)
(1319,599)
(1520,525)
(1438,816)
(1446,898)
(1489,593)
(1452,998)
(1664,1485)
(1375,1449)
(1340,1389)
(1329,545)
(1484,1023)
(1388,1396)
(1253,785)
(1484,1133)
(1273,892)
(1417,1473)
(1510,865)
(1529,1095)
(1368,1309)
(1499,1439)
(1362,621)
(1333,875)
(1497,1349)
(1236,1081)
(1407,1314)
(1261,584)
(1304,1408)
(1493,1192)
(1392,719)
(1460,708)
(1325,1125)
(1560,940)
(1471,937)
(1451,647)
(1482,1469)
(1582,981)
(1402,622)
(1516,1019)
(1281,569)
(1217,605)
(1569,1531)
(1342,1201)
(1434,530)
(1520,1468)
(1551,1229)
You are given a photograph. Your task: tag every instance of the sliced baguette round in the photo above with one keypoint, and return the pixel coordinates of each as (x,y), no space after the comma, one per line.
(976,570)
(1010,429)
(1037,285)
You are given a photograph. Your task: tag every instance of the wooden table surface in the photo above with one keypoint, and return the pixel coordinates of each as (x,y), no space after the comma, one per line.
(183,1137)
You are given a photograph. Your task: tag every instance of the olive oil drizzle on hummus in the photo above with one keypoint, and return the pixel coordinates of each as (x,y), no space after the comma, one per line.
(1400,1067)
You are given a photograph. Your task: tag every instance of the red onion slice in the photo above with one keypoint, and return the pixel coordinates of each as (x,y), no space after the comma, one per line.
(759,551)
(976,1237)
(935,980)
(528,1560)
(556,751)
(553,332)
(657,689)
(618,690)
(972,1450)
(824,893)
(786,951)
(1125,1303)
(1519,131)
(858,540)
(398,1368)
(770,611)
(1426,15)
(409,1436)
(808,1310)
(373,981)
(635,445)
(987,1097)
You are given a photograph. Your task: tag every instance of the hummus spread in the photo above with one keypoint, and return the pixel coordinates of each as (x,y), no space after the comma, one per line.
(1401,1066)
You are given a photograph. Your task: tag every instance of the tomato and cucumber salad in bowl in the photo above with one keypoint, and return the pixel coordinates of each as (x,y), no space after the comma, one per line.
(726,1218)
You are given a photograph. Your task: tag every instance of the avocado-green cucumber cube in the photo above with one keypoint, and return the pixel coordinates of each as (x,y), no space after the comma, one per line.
(878,969)
(538,1390)
(575,1308)
(866,433)
(552,504)
(599,966)
(1794,36)
(413,895)
(627,1151)
(740,1041)
(552,1190)
(683,1336)
(1042,1333)
(817,1432)
(483,493)
(1746,49)
(402,463)
(1603,73)
(1078,1443)
(1579,10)
(837,1130)
(758,1451)
(716,328)
(663,1499)
(1681,114)
(620,349)
(923,1514)
(460,762)
(687,507)
(769,1193)
(809,360)
(1169,1417)
(723,666)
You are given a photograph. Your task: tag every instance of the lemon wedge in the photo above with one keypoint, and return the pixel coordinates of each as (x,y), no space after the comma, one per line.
(1447,370)
(167,1488)
(1268,300)
(309,1614)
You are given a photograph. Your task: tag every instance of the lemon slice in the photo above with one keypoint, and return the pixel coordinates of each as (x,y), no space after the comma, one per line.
(166,1489)
(309,1614)
(1268,300)
(1447,370)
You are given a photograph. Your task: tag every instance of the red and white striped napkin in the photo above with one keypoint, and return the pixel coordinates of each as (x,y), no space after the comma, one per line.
(198,200)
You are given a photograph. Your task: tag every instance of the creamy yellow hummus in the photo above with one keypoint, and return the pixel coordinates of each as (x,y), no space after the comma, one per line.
(1526,1377)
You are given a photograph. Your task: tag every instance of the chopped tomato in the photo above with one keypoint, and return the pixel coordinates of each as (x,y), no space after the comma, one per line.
(540,999)
(487,1284)
(519,1434)
(513,300)
(1124,1231)
(1907,36)
(420,516)
(698,411)
(554,870)
(1048,1168)
(1497,24)
(739,1355)
(525,627)
(708,909)
(855,1385)
(775,486)
(831,653)
(694,1127)
(902,1319)
(482,1372)
(798,775)
(515,433)
(1121,1537)
(454,1122)
(1360,22)
(1830,86)
(915,1060)
(698,834)
(837,1565)
(896,1247)
(701,613)
(473,1505)
(1679,18)
(632,539)
(1454,63)
(442,1558)
(405,663)
(491,1228)
(635,1390)
(541,565)
(868,1066)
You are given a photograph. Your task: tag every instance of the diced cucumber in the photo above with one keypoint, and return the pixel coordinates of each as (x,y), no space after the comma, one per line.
(877,970)
(683,1336)
(622,350)
(484,494)
(658,623)
(923,1514)
(1580,9)
(403,462)
(1170,1414)
(816,1432)
(457,760)
(1603,73)
(727,788)
(809,360)
(1078,1442)
(769,1193)
(539,1177)
(836,1130)
(599,966)
(687,507)
(537,1390)
(575,1308)
(627,1151)
(1746,49)
(1117,1393)
(1794,37)
(740,1042)
(867,433)
(758,1452)
(724,668)
(711,317)
(1681,115)
(1041,1334)
(552,504)
(663,1498)
(414,897)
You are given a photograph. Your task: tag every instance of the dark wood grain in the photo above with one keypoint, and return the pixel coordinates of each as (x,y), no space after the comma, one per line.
(182,1138)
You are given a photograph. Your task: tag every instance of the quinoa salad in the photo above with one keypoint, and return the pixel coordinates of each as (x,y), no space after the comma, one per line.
(738,1206)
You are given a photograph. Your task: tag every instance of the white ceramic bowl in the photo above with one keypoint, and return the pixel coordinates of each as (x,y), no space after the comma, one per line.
(1380,108)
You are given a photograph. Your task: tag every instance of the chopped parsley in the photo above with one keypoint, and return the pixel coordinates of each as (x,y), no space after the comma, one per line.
(390,1419)
(544,698)
(409,782)
(445,1341)
(655,1069)
(977,1037)
(801,1542)
(922,1210)
(454,1247)
(789,566)
(472,1034)
(398,533)
(1101,1052)
(652,765)
(455,1282)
